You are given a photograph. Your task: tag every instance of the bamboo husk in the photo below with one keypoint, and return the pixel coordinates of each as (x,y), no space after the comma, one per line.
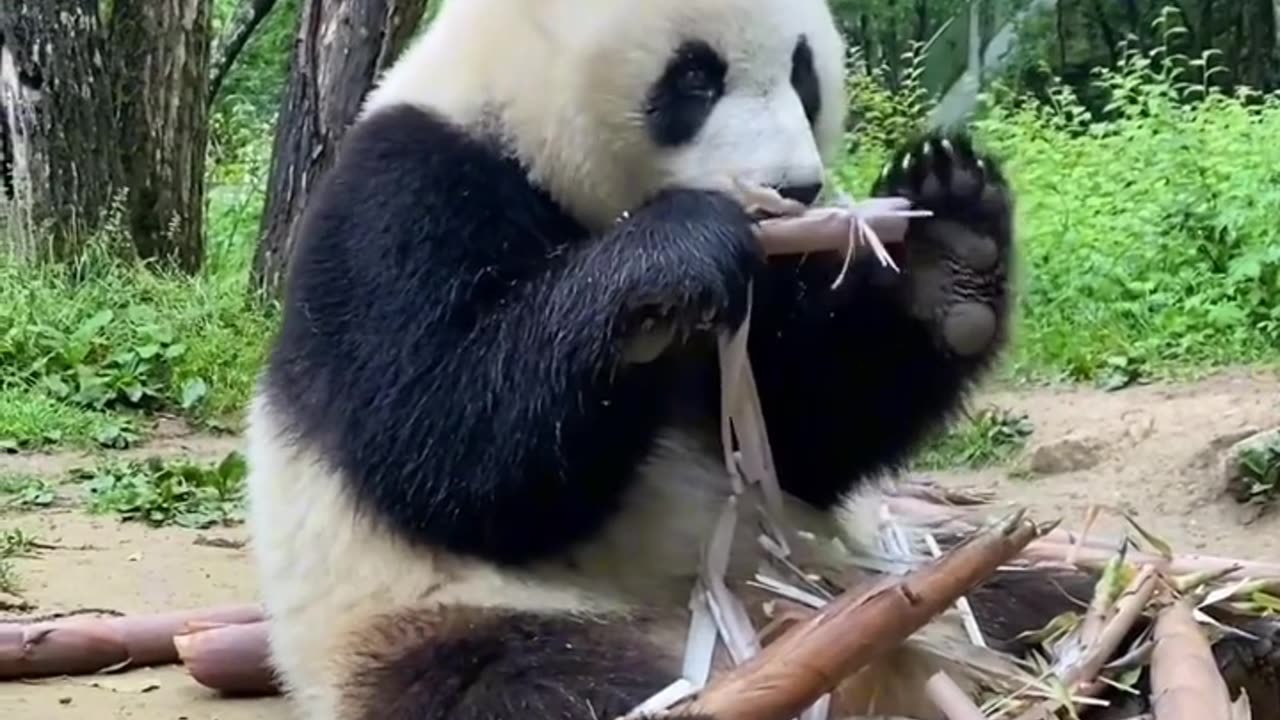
(812,658)
(1097,557)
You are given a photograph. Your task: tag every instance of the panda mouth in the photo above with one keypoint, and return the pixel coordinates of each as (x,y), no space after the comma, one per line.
(762,214)
(764,202)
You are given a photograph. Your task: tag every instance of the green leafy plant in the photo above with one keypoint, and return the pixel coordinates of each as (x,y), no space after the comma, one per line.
(991,436)
(1260,471)
(84,367)
(26,492)
(160,493)
(1146,217)
(13,544)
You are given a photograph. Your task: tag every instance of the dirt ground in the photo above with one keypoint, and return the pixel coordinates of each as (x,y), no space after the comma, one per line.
(1150,450)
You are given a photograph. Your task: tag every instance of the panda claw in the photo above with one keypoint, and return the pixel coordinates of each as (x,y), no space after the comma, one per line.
(708,316)
(948,147)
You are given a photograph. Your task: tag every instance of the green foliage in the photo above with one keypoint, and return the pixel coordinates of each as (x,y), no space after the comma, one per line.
(25,492)
(1070,40)
(1147,233)
(162,493)
(1260,473)
(884,108)
(79,344)
(13,544)
(31,420)
(991,436)
(240,137)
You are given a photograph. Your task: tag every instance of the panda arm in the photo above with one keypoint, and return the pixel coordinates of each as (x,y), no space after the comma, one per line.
(853,378)
(453,342)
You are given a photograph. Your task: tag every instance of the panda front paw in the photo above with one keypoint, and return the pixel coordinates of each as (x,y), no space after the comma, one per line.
(695,254)
(956,262)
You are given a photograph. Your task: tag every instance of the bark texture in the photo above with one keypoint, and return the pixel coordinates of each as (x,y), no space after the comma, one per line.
(342,46)
(163,55)
(60,164)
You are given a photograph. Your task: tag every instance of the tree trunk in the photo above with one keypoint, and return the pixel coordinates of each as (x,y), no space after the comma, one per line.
(163,55)
(61,165)
(342,46)
(1262,44)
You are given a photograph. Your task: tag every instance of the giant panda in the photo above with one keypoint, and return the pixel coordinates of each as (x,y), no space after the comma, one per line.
(484,451)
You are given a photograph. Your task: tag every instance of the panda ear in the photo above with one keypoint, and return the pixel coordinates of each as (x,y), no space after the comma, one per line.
(804,79)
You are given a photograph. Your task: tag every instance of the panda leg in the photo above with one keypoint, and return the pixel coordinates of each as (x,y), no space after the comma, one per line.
(462,663)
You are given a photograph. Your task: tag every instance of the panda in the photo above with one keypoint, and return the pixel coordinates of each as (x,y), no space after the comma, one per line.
(484,450)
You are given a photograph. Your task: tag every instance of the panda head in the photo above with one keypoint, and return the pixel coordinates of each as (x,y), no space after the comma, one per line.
(606,102)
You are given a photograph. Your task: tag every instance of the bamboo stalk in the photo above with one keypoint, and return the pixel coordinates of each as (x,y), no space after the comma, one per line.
(827,229)
(1082,678)
(950,699)
(233,659)
(86,646)
(1185,682)
(1096,557)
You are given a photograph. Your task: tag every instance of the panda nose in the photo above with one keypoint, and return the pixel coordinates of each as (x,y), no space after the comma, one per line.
(805,194)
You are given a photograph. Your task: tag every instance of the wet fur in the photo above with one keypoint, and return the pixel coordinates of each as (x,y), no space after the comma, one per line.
(462,490)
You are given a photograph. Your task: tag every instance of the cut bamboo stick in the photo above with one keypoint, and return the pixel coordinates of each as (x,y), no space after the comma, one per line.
(86,646)
(950,699)
(232,659)
(830,229)
(1185,682)
(1097,556)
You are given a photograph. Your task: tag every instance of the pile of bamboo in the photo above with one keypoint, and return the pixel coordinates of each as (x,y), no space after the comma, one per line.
(1189,602)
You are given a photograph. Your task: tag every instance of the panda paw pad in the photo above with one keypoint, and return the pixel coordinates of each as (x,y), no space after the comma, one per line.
(956,258)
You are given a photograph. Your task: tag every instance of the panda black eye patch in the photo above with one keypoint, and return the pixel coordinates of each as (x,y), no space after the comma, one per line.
(804,79)
(681,99)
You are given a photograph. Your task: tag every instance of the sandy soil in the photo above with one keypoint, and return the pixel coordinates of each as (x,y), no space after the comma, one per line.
(1150,450)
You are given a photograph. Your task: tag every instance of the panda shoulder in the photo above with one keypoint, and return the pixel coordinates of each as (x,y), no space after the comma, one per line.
(405,178)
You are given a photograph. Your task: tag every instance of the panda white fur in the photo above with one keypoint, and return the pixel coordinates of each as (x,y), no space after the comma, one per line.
(468,499)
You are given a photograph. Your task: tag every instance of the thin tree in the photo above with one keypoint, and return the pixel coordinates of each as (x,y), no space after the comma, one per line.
(248,18)
(342,47)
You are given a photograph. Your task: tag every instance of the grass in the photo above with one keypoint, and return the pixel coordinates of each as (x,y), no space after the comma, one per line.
(990,436)
(153,491)
(1146,235)
(25,492)
(1259,468)
(13,544)
(161,493)
(87,351)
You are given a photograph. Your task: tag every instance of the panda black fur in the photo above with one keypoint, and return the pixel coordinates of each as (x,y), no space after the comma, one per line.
(470,496)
